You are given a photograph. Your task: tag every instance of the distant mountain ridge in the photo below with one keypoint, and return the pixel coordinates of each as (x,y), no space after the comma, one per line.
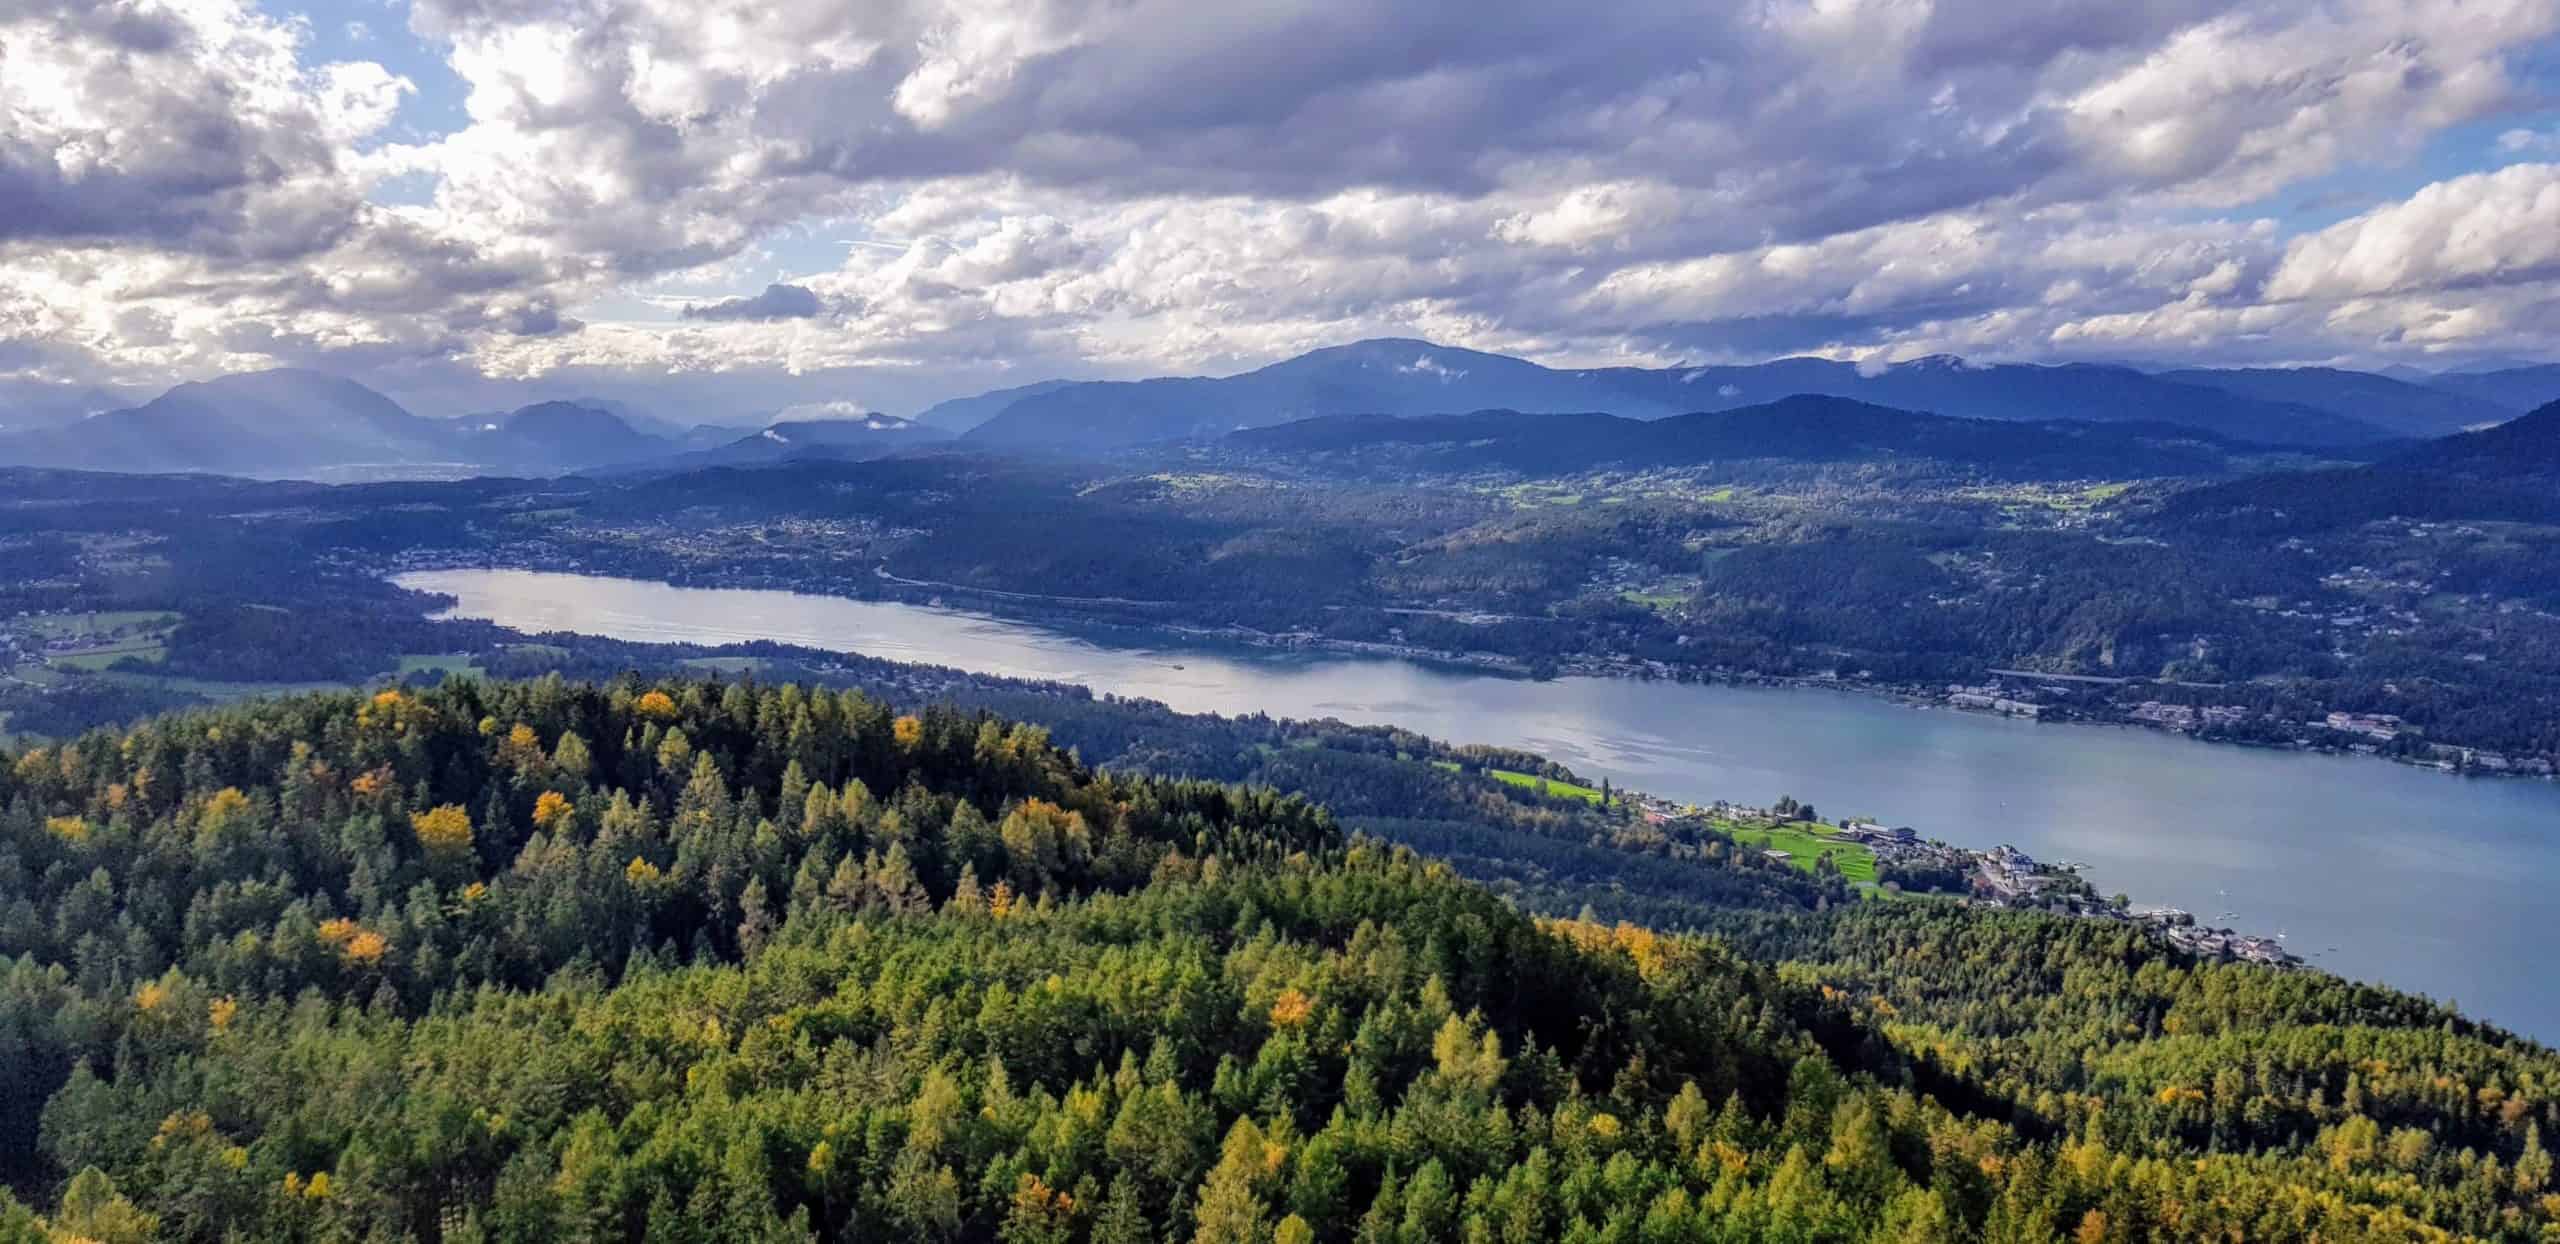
(960,414)
(28,405)
(282,422)
(1806,428)
(2509,473)
(2524,448)
(797,440)
(2421,409)
(1400,376)
(561,434)
(2518,388)
(298,423)
(289,423)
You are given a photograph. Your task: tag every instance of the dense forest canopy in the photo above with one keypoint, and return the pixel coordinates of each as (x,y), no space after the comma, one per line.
(715,961)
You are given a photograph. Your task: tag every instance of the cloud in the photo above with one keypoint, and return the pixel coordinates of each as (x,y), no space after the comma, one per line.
(2525,142)
(835,408)
(777,302)
(2481,229)
(192,127)
(2235,107)
(1128,187)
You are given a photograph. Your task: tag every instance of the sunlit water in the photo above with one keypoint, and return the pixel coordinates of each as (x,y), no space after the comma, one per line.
(2432,883)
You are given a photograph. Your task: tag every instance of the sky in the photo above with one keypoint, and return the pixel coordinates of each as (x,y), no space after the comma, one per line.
(711,207)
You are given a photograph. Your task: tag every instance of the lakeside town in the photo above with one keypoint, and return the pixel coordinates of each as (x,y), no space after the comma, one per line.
(2001,877)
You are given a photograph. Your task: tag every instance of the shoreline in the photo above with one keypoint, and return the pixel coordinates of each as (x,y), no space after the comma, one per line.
(2000,878)
(1022,608)
(1909,696)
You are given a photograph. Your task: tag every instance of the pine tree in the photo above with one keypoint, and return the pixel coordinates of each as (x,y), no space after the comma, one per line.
(1122,1220)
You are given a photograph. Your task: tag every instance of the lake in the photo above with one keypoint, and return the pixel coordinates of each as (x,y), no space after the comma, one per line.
(2432,883)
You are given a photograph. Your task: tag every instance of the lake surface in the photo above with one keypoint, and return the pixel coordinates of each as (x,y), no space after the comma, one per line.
(2432,883)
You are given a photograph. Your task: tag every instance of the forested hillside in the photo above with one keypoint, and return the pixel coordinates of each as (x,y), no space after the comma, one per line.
(702,961)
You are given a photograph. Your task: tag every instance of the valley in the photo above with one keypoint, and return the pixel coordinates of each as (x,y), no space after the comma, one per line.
(1331,622)
(1595,668)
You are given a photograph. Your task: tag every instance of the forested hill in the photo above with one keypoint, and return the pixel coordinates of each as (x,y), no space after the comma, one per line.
(707,962)
(2504,473)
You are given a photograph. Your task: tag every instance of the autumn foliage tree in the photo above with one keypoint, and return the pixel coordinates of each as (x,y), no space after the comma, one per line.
(444,835)
(817,969)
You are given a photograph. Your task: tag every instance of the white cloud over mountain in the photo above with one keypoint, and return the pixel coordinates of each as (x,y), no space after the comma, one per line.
(1136,186)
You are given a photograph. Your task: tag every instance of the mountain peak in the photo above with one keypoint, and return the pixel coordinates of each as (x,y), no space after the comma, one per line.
(1381,345)
(1936,362)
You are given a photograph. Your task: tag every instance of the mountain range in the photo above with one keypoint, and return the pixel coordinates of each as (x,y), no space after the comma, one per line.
(290,423)
(2520,387)
(1806,428)
(799,440)
(1397,376)
(295,423)
(26,405)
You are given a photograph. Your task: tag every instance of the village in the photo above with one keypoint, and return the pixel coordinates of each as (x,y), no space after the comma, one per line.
(2021,693)
(2001,877)
(80,640)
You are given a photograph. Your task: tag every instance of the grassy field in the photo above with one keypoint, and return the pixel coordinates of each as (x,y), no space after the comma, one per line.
(64,625)
(725,665)
(216,690)
(109,635)
(1546,786)
(462,663)
(1807,842)
(94,659)
(1531,781)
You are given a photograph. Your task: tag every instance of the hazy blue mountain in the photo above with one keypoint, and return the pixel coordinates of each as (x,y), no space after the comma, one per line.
(2480,365)
(677,434)
(1397,376)
(2395,405)
(1802,429)
(28,405)
(2083,392)
(2517,388)
(963,413)
(697,434)
(2526,447)
(843,440)
(290,423)
(2509,472)
(269,423)
(559,436)
(1393,376)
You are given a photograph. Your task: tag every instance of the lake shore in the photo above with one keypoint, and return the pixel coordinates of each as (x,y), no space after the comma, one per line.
(1080,614)
(2272,839)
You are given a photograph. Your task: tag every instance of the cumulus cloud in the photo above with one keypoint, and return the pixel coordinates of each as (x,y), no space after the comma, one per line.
(777,302)
(2482,229)
(1132,186)
(194,127)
